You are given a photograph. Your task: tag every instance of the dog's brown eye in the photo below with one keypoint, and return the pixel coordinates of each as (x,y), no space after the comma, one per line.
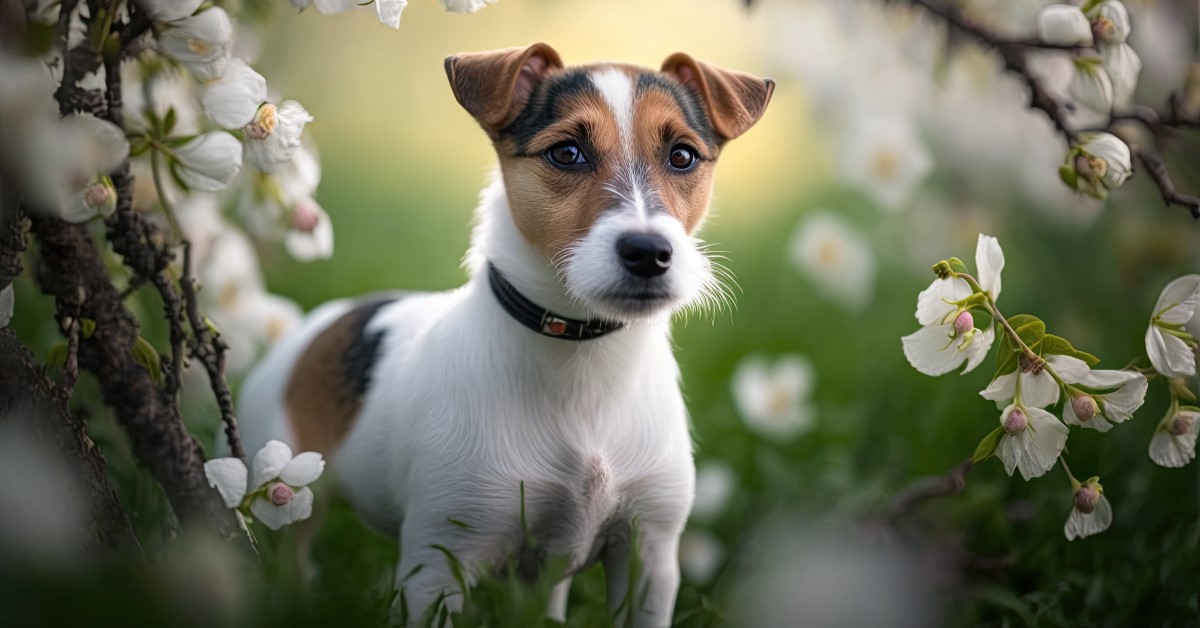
(682,157)
(566,155)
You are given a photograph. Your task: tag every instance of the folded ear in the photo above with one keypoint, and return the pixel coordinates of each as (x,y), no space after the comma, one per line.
(494,86)
(735,100)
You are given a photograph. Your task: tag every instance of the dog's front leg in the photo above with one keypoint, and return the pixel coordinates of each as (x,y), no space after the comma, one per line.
(652,597)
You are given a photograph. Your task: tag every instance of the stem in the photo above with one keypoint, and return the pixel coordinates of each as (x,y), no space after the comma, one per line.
(1012,333)
(162,192)
(1074,483)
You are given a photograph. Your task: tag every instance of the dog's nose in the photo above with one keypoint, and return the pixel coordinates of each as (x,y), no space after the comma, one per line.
(645,255)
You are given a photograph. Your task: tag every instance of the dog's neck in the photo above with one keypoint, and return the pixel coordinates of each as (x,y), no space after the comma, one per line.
(497,239)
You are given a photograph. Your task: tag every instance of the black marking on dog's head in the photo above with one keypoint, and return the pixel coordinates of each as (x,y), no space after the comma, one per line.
(693,110)
(544,106)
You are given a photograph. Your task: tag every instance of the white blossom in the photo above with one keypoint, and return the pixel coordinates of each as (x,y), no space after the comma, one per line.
(1064,25)
(836,258)
(1090,85)
(948,338)
(1090,512)
(1037,389)
(273,135)
(1109,22)
(1032,440)
(201,42)
(98,198)
(278,486)
(1126,391)
(883,155)
(1168,343)
(1174,441)
(168,10)
(465,6)
(773,397)
(1115,154)
(1123,65)
(231,100)
(8,301)
(700,556)
(209,162)
(310,236)
(389,11)
(715,484)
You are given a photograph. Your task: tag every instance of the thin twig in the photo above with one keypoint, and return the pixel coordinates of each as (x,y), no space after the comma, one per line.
(1157,171)
(924,489)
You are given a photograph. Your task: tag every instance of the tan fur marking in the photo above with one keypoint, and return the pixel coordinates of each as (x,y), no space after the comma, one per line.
(658,125)
(321,401)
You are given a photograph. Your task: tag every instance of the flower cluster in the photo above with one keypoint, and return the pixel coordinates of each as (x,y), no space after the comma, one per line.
(1172,344)
(277,493)
(388,10)
(1037,371)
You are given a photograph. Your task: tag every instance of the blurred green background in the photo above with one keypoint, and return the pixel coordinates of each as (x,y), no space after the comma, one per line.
(402,169)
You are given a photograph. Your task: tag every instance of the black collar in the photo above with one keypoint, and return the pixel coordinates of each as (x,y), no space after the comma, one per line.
(540,319)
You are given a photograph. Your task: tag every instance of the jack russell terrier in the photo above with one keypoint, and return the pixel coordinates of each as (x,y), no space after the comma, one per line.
(550,374)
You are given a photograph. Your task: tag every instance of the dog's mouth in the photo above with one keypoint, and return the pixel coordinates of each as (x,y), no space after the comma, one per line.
(636,301)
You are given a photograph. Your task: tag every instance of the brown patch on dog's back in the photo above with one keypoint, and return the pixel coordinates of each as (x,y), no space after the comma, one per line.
(328,382)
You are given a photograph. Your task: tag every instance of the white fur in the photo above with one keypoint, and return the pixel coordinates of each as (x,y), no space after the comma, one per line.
(465,405)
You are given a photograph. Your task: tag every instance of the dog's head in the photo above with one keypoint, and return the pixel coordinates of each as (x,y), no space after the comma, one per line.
(608,167)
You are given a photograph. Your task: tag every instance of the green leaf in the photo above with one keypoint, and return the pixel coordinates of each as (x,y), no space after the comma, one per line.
(1068,176)
(462,524)
(175,176)
(87,327)
(56,358)
(1057,345)
(169,122)
(957,265)
(988,445)
(1030,328)
(145,355)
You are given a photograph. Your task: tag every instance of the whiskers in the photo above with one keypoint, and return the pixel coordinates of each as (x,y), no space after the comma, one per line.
(716,294)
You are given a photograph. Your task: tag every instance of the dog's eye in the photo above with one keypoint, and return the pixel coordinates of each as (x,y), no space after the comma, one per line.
(565,155)
(682,158)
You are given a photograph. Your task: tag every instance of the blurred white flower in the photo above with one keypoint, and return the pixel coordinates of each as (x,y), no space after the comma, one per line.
(273,135)
(168,10)
(948,337)
(1064,25)
(1174,441)
(835,258)
(8,301)
(1102,163)
(98,198)
(715,484)
(1123,66)
(278,491)
(883,155)
(229,275)
(773,398)
(231,100)
(209,162)
(45,515)
(465,6)
(700,556)
(269,317)
(1037,390)
(1168,343)
(389,11)
(1126,391)
(1110,22)
(1090,84)
(311,234)
(160,91)
(1090,512)
(201,42)
(1032,440)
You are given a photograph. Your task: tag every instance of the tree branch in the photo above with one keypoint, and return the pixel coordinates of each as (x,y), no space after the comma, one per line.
(924,489)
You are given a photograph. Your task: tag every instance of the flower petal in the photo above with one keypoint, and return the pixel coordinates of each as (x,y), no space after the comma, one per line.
(1080,525)
(1097,422)
(1178,300)
(931,351)
(1123,65)
(932,306)
(1039,391)
(8,301)
(315,244)
(231,100)
(275,517)
(389,11)
(978,349)
(1106,379)
(270,461)
(1091,87)
(228,476)
(989,261)
(303,470)
(1001,390)
(1170,355)
(1071,370)
(210,161)
(201,42)
(168,10)
(1169,450)
(1064,25)
(1035,450)
(1120,404)
(276,149)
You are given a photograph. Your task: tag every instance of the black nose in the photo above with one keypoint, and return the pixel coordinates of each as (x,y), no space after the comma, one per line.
(645,255)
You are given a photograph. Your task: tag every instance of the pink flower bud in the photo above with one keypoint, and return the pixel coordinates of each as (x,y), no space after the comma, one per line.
(1016,422)
(1181,424)
(305,218)
(1086,498)
(264,122)
(1103,30)
(1085,407)
(280,493)
(964,323)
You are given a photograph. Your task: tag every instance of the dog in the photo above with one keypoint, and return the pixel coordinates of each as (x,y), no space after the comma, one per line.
(541,399)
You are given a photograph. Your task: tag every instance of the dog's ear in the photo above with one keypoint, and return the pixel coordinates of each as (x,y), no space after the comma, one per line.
(494,86)
(735,100)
